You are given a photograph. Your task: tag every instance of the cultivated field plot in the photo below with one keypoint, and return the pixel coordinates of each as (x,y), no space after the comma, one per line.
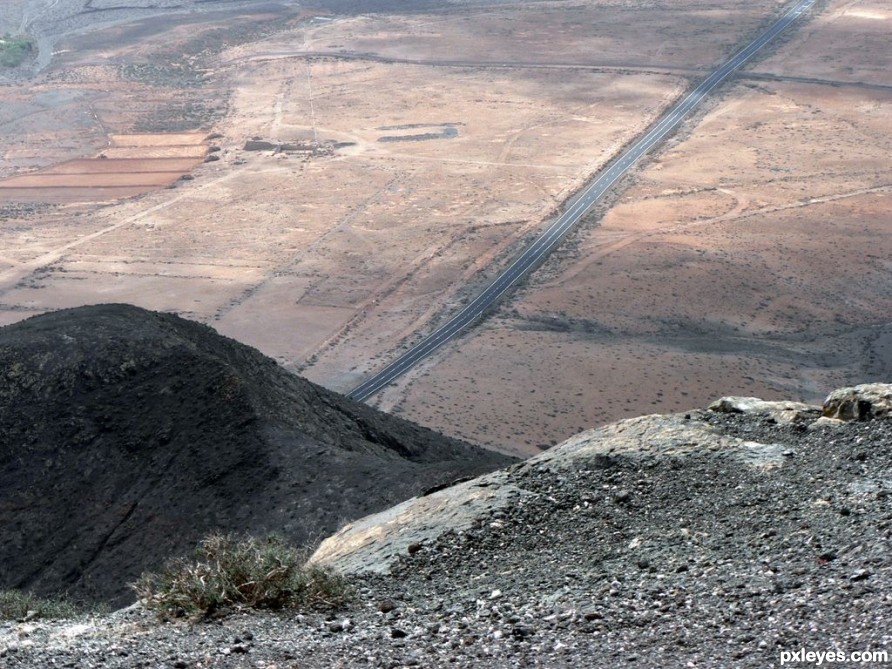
(153,161)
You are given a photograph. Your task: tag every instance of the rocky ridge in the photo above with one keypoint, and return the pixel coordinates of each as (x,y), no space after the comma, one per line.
(717,538)
(128,435)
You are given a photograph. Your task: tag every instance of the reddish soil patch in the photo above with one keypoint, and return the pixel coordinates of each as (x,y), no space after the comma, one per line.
(98,166)
(103,178)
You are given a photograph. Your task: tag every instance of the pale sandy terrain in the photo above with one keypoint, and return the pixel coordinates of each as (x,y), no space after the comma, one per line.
(364,245)
(719,270)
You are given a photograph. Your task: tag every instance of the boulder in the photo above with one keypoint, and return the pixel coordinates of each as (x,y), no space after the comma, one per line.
(867,401)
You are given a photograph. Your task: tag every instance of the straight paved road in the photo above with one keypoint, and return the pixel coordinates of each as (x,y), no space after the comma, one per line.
(535,253)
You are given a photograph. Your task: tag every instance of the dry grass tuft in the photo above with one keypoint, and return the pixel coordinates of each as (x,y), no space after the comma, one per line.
(239,573)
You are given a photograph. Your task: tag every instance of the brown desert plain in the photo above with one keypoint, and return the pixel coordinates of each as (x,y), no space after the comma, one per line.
(405,156)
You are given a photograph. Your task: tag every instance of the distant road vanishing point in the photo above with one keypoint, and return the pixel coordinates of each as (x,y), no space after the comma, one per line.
(531,256)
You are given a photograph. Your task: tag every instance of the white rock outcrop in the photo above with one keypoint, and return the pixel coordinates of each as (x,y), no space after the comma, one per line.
(374,543)
(782,411)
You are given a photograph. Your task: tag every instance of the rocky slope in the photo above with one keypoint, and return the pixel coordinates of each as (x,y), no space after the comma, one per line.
(127,435)
(718,538)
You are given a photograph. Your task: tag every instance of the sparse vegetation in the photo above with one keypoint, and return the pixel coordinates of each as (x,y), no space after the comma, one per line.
(18,605)
(14,50)
(230,573)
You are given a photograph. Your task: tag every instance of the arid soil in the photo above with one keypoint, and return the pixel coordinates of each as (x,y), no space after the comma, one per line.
(717,271)
(750,254)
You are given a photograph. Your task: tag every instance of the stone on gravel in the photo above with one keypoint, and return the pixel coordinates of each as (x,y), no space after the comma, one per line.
(824,421)
(652,436)
(863,402)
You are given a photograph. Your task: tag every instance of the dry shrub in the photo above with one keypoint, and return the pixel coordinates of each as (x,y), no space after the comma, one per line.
(231,573)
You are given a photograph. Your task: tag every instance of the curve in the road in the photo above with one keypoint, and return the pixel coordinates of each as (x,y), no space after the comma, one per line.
(530,257)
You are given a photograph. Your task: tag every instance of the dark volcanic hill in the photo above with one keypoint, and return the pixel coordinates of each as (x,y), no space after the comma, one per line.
(127,435)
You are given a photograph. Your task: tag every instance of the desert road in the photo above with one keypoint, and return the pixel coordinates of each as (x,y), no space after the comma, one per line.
(530,257)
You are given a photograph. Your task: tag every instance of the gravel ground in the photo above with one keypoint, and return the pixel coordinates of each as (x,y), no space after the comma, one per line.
(49,21)
(690,561)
